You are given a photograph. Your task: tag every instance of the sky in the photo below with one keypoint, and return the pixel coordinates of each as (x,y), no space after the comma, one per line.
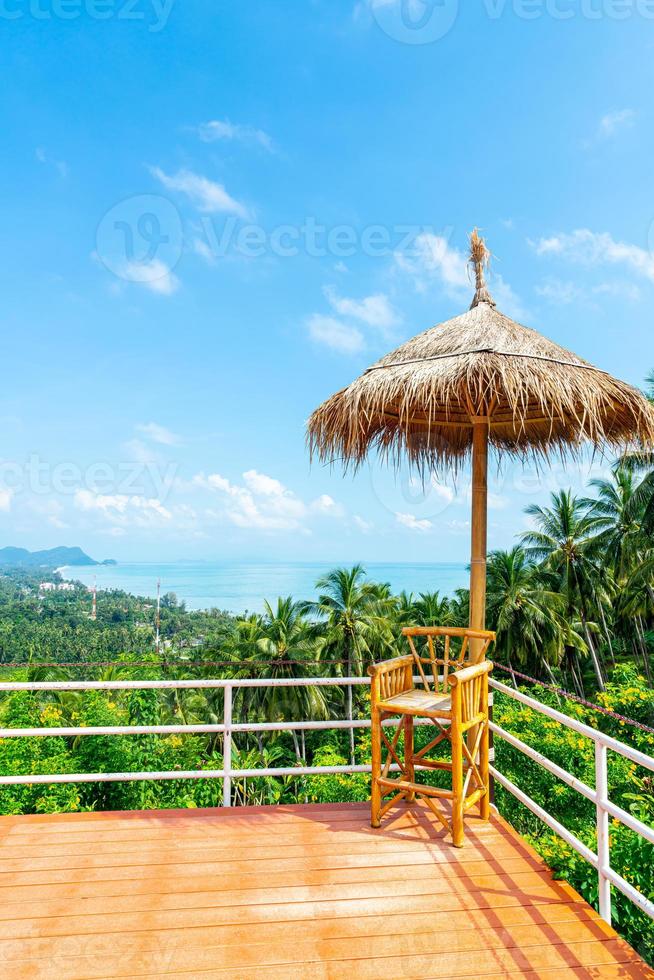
(216,215)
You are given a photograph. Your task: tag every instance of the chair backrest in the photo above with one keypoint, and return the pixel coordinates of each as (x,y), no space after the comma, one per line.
(443,649)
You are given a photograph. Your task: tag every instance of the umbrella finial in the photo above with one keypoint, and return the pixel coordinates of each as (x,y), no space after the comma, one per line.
(479,260)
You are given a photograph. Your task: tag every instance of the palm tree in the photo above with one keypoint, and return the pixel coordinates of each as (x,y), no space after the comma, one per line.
(355,619)
(560,541)
(282,645)
(527,617)
(618,514)
(432,609)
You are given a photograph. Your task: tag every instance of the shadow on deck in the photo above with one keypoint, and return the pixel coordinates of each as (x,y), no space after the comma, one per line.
(288,892)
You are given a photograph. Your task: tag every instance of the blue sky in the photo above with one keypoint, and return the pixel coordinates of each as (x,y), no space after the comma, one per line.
(215,215)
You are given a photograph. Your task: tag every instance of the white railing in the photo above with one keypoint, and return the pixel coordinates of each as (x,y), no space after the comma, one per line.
(599,795)
(227,729)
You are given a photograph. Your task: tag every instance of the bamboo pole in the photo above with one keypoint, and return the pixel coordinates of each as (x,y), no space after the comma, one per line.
(479,521)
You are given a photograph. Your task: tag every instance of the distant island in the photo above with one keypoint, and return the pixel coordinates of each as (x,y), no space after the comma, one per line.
(52,558)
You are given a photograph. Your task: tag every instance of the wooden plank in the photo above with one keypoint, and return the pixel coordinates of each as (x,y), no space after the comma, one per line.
(105,854)
(255,874)
(347,842)
(197,908)
(516,926)
(407,826)
(391,955)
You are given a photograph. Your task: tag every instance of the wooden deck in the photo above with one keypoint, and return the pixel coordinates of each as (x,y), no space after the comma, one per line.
(288,892)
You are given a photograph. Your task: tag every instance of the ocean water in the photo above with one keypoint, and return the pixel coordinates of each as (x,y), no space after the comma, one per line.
(240,586)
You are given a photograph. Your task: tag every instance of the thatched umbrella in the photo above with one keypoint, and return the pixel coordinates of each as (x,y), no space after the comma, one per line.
(478,379)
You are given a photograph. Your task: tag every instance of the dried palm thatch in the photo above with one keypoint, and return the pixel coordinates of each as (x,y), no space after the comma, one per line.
(419,400)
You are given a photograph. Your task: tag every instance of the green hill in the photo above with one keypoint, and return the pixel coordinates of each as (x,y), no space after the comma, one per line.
(52,558)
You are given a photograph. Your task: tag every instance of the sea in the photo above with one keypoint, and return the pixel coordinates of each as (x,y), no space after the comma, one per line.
(240,587)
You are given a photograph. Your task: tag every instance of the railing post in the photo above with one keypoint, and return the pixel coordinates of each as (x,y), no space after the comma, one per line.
(603,848)
(227,746)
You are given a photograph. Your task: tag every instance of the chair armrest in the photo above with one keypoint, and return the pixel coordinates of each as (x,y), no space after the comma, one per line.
(387,666)
(390,677)
(469,673)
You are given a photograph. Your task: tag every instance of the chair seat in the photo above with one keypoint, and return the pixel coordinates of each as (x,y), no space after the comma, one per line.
(418,702)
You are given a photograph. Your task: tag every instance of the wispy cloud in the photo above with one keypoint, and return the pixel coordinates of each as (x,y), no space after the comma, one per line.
(264,503)
(613,122)
(222,129)
(123,509)
(5,500)
(413,523)
(375,311)
(153,275)
(333,333)
(590,248)
(433,258)
(564,292)
(60,165)
(158,433)
(207,195)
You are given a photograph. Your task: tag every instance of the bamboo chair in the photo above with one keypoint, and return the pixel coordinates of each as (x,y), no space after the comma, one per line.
(454,696)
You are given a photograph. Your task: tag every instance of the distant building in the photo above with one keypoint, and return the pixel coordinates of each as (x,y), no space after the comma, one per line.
(56,587)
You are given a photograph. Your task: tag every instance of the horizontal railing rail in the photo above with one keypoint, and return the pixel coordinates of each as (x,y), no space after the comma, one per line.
(227,729)
(599,795)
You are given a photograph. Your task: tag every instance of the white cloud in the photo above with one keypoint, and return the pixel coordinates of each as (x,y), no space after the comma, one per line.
(507,299)
(375,311)
(60,165)
(458,527)
(50,510)
(562,293)
(207,195)
(412,522)
(5,500)
(327,506)
(591,248)
(559,292)
(612,122)
(223,129)
(262,502)
(154,275)
(364,526)
(122,508)
(432,257)
(263,485)
(330,332)
(204,250)
(158,433)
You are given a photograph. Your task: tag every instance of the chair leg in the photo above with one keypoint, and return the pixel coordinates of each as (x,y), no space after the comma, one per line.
(456,737)
(484,803)
(375,792)
(409,769)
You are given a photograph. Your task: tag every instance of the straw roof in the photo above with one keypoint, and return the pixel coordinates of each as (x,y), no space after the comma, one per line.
(419,400)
